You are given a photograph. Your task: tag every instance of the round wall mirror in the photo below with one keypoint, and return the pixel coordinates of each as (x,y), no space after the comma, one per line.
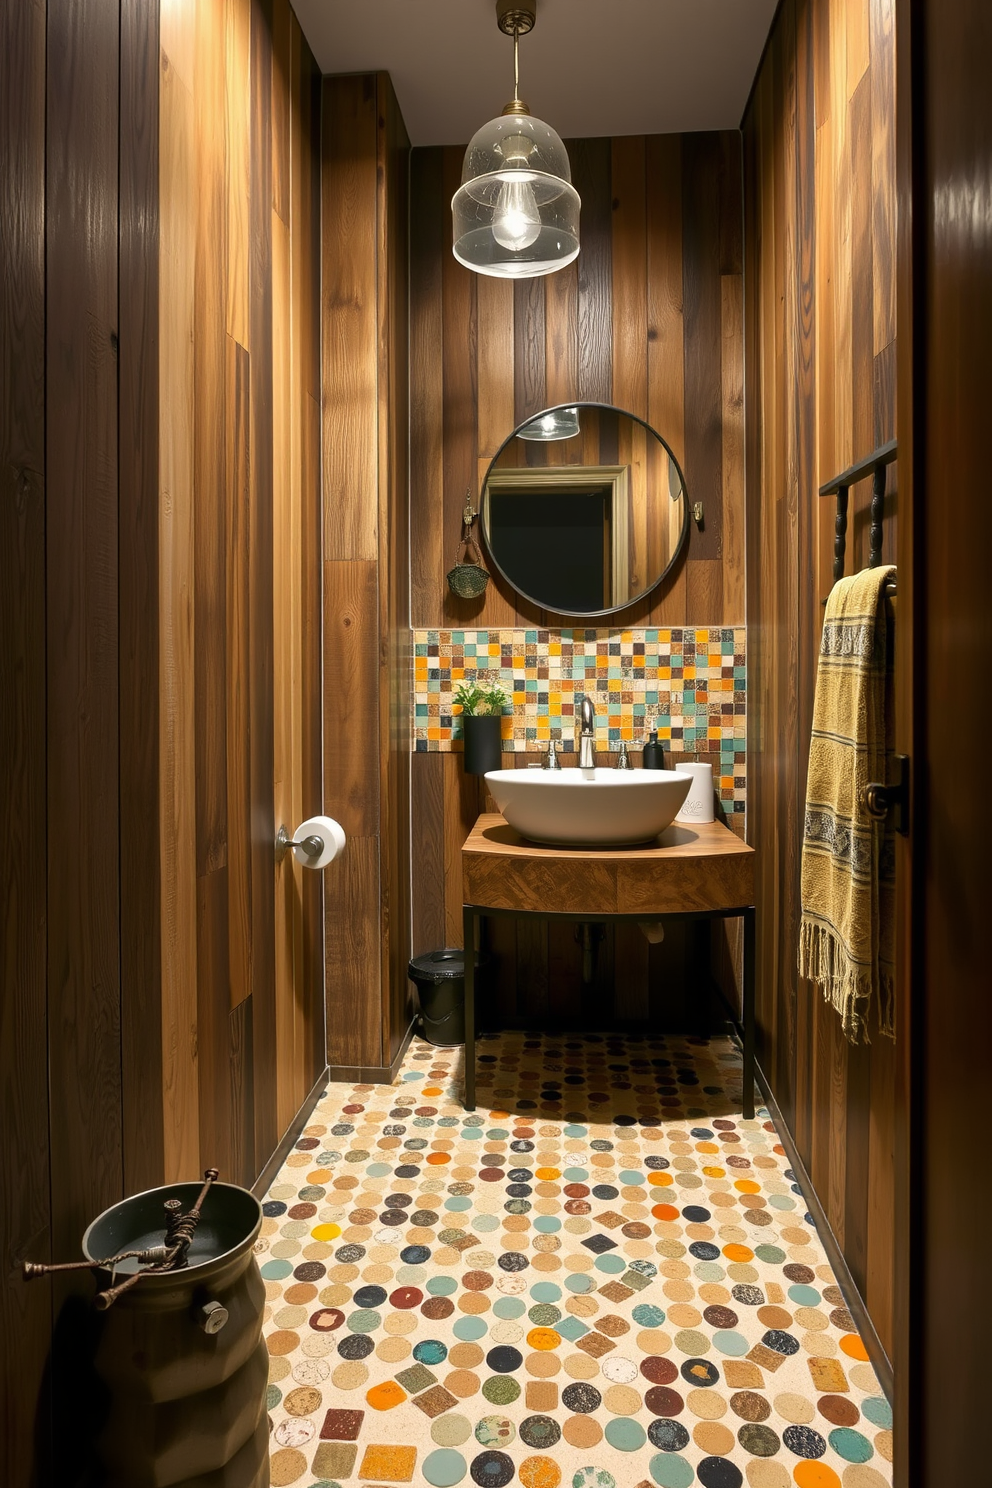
(584,509)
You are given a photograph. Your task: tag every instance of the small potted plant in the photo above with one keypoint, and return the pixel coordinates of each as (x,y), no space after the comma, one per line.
(482,706)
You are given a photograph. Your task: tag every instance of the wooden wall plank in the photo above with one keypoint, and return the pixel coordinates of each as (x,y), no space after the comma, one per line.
(367,584)
(25,1200)
(82,130)
(139,444)
(561,350)
(394,589)
(237,136)
(703,340)
(592,177)
(210,536)
(260,635)
(732,445)
(883,171)
(215,1099)
(177,801)
(428,815)
(285,600)
(352,953)
(530,390)
(496,363)
(629,262)
(429,543)
(459,326)
(351,768)
(818,177)
(666,329)
(350,441)
(238,729)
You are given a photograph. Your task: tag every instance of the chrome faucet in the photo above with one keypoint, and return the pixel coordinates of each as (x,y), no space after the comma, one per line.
(587,758)
(552,761)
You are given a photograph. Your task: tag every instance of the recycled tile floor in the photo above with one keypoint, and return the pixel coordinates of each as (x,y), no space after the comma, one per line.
(603,1278)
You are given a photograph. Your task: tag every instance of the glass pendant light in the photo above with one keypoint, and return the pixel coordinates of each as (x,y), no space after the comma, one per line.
(516,213)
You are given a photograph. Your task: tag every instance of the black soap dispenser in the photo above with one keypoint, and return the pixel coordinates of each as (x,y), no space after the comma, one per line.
(654,755)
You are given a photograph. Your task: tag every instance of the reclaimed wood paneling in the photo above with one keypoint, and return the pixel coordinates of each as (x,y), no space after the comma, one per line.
(142,1023)
(650,317)
(819,325)
(25,1199)
(240,462)
(365,351)
(85,1116)
(139,454)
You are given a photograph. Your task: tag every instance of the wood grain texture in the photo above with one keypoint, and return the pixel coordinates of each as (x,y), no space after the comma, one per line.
(139,456)
(350,367)
(394,592)
(819,196)
(261,629)
(661,228)
(944,56)
(367,574)
(82,614)
(177,795)
(236,352)
(25,1200)
(692,869)
(136,476)
(429,548)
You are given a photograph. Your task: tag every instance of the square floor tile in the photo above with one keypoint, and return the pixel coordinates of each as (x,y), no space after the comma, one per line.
(418,1377)
(342,1425)
(384,1464)
(436,1401)
(599,1243)
(335,1459)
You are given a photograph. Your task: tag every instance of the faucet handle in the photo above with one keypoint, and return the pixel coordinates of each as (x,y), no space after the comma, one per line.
(623,758)
(552,762)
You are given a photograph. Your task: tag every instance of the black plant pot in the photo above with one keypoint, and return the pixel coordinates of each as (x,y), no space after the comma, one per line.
(482,743)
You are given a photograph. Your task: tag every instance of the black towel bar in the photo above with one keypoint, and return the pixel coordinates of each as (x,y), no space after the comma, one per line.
(841,484)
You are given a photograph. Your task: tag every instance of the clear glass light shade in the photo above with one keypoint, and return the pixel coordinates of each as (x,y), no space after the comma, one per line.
(516,213)
(560,423)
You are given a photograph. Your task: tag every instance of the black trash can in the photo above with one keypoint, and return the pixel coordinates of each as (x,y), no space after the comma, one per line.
(439,977)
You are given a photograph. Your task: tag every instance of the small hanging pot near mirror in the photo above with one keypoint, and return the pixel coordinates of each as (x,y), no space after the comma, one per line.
(468,579)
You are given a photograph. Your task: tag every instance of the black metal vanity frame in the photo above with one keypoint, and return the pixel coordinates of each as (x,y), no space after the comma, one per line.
(745,1030)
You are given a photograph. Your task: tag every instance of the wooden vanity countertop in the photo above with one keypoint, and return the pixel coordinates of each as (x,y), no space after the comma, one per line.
(691,869)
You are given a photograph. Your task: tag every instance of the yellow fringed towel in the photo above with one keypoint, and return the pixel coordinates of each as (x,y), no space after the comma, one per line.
(846,938)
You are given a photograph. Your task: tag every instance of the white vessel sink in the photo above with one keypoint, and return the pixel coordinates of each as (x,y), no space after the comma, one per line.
(601,807)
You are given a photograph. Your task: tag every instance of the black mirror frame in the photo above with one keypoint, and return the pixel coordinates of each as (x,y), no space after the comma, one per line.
(484,513)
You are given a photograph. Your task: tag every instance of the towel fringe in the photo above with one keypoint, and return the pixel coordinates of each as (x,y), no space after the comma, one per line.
(822,959)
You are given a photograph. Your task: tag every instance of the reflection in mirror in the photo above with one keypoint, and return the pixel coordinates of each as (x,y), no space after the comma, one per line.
(584,524)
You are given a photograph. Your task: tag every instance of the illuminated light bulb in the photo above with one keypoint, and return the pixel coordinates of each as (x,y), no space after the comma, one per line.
(517,220)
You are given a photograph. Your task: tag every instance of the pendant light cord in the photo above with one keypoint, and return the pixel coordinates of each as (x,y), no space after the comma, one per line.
(516,62)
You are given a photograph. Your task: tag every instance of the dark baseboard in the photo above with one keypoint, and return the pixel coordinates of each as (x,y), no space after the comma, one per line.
(853,1298)
(289,1137)
(371,1074)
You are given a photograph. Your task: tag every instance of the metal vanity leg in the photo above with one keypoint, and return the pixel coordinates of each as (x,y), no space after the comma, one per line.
(748,1013)
(468,941)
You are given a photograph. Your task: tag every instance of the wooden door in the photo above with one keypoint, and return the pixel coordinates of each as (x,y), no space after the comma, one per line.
(945,157)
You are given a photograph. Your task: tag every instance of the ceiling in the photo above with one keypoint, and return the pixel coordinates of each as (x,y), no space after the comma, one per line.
(589,67)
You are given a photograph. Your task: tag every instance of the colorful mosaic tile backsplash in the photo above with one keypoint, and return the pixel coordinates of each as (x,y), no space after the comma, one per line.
(690,684)
(603,1278)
